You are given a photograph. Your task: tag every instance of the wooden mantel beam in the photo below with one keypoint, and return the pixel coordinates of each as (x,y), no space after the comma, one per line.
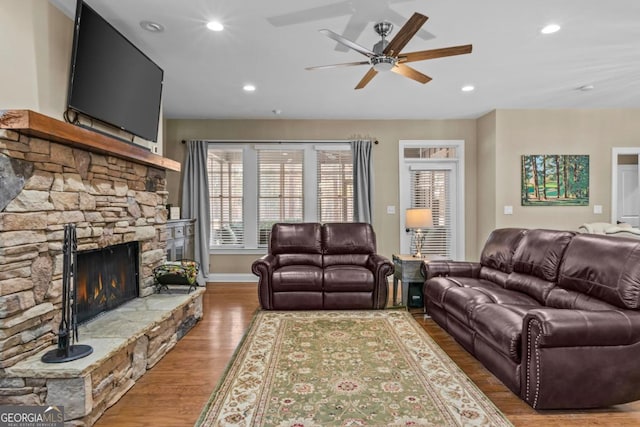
(30,123)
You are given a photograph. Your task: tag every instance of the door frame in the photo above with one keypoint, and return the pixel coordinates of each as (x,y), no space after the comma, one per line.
(615,152)
(458,170)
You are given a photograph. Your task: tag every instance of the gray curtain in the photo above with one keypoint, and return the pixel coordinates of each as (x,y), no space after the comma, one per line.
(195,201)
(362,181)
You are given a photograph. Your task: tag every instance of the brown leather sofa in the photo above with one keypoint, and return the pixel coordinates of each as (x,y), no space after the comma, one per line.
(554,315)
(310,266)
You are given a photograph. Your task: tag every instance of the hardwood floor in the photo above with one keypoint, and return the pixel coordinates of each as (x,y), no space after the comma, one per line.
(173,393)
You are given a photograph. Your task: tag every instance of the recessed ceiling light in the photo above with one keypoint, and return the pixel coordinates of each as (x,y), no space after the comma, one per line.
(215,26)
(468,88)
(550,29)
(248,88)
(151,26)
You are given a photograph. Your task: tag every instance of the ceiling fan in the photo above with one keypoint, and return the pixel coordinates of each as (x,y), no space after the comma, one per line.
(386,55)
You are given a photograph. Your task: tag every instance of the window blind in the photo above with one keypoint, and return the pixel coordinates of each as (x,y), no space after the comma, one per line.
(280,189)
(225,195)
(431,189)
(335,185)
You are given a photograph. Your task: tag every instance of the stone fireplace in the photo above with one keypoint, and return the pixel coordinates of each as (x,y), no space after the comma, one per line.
(52,174)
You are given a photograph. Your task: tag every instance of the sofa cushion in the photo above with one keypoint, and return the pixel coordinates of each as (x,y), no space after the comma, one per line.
(500,325)
(530,285)
(348,278)
(348,238)
(539,253)
(297,238)
(564,298)
(462,295)
(297,278)
(499,248)
(492,275)
(347,243)
(603,267)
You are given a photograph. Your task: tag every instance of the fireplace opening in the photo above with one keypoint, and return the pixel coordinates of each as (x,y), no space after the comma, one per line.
(105,279)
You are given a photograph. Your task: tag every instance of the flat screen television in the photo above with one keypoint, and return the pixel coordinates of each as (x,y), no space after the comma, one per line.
(111,80)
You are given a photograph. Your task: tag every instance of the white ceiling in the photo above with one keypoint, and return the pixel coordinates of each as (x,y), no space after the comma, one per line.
(266,44)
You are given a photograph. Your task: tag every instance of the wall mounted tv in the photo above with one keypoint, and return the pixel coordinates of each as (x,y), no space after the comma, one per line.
(111,80)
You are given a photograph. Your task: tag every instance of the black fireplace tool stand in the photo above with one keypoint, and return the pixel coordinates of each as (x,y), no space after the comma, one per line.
(68,330)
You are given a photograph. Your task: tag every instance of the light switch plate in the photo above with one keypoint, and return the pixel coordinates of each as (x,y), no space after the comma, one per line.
(391,209)
(508,210)
(597,209)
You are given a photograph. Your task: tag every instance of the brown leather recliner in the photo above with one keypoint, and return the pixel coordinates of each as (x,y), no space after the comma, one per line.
(310,266)
(554,315)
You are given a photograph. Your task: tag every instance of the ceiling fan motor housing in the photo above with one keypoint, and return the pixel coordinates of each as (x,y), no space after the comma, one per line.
(383,28)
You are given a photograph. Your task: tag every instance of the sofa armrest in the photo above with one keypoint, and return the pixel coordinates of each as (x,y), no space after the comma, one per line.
(263,268)
(576,328)
(450,268)
(579,358)
(380,266)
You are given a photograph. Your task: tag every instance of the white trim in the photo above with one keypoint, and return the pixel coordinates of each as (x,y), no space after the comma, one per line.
(232,278)
(332,147)
(279,147)
(238,251)
(615,152)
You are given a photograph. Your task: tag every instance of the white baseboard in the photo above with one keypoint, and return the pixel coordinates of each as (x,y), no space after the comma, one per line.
(233,278)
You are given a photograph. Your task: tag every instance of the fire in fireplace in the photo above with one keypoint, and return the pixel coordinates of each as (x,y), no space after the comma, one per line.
(105,279)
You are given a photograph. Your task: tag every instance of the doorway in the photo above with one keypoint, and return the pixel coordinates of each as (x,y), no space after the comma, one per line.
(625,191)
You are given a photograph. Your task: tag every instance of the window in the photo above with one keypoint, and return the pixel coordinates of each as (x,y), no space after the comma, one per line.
(431,189)
(225,196)
(251,187)
(280,189)
(335,185)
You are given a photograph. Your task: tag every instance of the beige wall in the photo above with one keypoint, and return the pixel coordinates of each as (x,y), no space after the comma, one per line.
(387,132)
(35,48)
(518,132)
(486,219)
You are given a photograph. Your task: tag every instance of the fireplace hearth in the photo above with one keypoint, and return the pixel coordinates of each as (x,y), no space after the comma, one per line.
(106,278)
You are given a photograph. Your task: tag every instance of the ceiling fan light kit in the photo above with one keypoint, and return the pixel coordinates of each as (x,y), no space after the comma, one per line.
(387,56)
(383,63)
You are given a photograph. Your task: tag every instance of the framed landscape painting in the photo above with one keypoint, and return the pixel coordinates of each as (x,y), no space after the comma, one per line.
(555,180)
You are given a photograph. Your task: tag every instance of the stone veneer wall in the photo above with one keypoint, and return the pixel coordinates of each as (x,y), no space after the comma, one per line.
(43,186)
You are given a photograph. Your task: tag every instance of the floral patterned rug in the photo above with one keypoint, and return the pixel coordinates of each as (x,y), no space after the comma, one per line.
(344,368)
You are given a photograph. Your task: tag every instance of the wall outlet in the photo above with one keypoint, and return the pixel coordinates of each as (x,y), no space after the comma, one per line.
(597,209)
(508,210)
(391,210)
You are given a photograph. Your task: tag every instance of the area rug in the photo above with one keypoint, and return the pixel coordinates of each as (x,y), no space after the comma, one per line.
(344,368)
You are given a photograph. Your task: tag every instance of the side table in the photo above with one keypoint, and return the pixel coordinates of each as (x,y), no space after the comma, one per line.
(407,271)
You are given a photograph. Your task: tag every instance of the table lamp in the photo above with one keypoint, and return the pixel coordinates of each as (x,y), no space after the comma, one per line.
(417,219)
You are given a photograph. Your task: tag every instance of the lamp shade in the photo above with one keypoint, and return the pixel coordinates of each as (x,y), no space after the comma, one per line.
(418,218)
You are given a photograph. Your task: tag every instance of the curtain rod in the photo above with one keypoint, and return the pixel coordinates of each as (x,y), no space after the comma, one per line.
(277,141)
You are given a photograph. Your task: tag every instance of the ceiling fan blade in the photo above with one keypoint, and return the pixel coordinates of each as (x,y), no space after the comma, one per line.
(367,78)
(346,64)
(408,30)
(352,31)
(337,37)
(434,53)
(394,16)
(412,73)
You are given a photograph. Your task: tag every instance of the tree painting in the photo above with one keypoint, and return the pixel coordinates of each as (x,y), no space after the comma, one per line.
(555,180)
